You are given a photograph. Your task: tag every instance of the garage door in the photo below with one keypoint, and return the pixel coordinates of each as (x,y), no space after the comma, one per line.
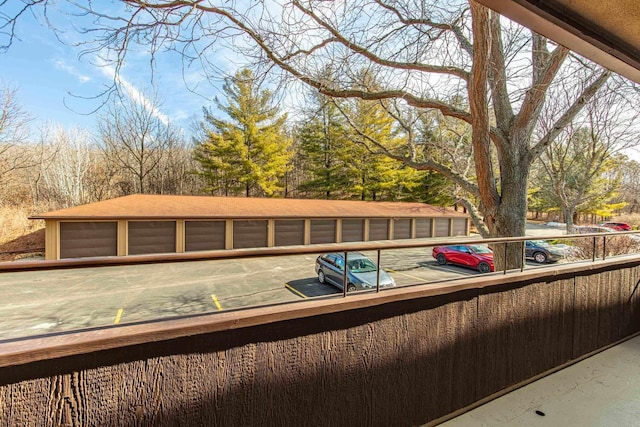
(289,232)
(379,229)
(87,239)
(204,235)
(152,237)
(249,234)
(352,230)
(423,227)
(459,227)
(323,231)
(402,229)
(442,227)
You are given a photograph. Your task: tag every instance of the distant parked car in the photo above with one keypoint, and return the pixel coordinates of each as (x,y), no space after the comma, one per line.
(587,229)
(618,226)
(541,251)
(478,257)
(361,271)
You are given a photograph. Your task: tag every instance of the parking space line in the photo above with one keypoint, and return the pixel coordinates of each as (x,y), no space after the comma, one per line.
(422,279)
(118,316)
(295,291)
(216,302)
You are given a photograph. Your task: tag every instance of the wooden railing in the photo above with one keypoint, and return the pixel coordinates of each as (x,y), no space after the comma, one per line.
(405,356)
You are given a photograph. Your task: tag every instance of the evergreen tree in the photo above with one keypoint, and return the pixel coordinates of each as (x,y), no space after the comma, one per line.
(248,153)
(323,139)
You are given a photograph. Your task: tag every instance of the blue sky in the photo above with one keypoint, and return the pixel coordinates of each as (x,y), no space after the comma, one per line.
(56,84)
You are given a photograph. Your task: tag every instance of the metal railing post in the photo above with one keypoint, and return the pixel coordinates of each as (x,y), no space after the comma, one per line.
(604,247)
(593,257)
(378,273)
(524,255)
(505,258)
(344,277)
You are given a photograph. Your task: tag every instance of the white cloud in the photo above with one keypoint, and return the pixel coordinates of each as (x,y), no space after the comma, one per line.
(62,65)
(132,92)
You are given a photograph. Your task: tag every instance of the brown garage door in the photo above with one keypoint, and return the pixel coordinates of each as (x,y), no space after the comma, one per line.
(249,234)
(379,229)
(87,239)
(152,237)
(352,230)
(402,229)
(459,227)
(423,227)
(204,235)
(323,231)
(442,227)
(289,232)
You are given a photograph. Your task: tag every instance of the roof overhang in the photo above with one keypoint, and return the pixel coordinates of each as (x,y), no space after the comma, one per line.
(607,32)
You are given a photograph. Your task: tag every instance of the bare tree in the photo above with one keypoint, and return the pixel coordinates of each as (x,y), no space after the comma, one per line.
(14,131)
(135,138)
(575,163)
(66,176)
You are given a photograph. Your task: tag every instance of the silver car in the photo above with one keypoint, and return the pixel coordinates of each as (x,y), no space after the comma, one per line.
(361,271)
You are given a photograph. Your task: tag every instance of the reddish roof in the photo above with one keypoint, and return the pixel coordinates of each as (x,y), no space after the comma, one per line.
(146,206)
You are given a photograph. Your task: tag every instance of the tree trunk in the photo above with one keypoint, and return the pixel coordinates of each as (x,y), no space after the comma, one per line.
(511,217)
(569,214)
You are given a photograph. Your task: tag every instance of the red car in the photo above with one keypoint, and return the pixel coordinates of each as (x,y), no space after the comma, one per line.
(618,226)
(478,257)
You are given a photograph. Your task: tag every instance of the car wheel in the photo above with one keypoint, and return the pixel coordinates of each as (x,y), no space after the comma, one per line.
(321,277)
(540,257)
(483,267)
(442,260)
(351,287)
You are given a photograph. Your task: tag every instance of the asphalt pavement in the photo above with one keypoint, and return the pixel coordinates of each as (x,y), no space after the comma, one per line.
(44,302)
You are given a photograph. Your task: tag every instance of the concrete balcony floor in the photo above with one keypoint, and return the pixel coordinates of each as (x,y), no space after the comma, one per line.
(602,390)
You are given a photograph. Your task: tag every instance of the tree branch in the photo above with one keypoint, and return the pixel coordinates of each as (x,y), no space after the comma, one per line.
(498,77)
(454,71)
(465,44)
(534,98)
(587,94)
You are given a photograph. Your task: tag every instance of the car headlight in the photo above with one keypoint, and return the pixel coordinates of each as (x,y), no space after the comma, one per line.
(367,285)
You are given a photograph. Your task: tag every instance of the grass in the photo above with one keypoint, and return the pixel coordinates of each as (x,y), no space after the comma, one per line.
(16,223)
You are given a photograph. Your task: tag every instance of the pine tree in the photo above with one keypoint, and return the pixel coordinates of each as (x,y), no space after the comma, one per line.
(323,139)
(248,153)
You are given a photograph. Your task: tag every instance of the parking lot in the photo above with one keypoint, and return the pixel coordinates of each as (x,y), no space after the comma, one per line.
(42,302)
(52,301)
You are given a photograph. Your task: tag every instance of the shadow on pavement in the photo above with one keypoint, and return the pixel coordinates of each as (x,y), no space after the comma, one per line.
(311,288)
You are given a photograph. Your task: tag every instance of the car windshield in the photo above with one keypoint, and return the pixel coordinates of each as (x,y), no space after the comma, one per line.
(362,265)
(480,249)
(541,243)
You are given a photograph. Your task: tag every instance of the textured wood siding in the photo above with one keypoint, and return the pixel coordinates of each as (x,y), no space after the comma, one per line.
(87,239)
(459,227)
(423,227)
(402,229)
(289,232)
(441,227)
(396,364)
(204,235)
(323,231)
(379,229)
(249,234)
(352,230)
(152,237)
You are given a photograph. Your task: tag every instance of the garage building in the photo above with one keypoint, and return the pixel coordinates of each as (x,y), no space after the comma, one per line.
(152,224)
